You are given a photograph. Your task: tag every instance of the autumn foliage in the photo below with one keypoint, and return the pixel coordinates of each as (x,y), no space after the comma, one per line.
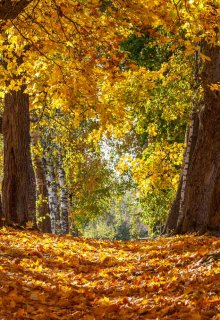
(103,96)
(60,277)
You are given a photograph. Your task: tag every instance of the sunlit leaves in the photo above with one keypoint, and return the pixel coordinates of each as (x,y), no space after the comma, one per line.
(69,278)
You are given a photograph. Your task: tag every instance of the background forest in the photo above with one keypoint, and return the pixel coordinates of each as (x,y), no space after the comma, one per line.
(107,101)
(110,129)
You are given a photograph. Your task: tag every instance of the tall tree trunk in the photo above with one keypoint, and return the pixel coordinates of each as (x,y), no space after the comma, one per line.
(64,197)
(176,211)
(72,227)
(52,197)
(43,211)
(18,189)
(200,208)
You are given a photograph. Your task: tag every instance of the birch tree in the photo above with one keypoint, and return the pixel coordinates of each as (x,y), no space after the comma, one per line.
(53,199)
(64,196)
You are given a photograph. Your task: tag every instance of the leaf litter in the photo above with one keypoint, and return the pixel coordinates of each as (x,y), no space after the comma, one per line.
(48,277)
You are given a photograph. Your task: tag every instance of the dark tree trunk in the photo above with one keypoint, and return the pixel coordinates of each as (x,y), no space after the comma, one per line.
(72,227)
(178,203)
(43,211)
(18,189)
(10,9)
(171,223)
(200,208)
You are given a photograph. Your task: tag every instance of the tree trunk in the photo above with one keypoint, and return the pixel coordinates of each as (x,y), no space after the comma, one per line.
(43,211)
(18,190)
(10,9)
(176,211)
(200,207)
(64,203)
(171,223)
(53,197)
(72,227)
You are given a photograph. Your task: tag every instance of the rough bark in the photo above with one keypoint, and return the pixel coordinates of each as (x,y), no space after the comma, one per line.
(171,222)
(18,199)
(10,9)
(176,212)
(64,203)
(43,211)
(72,227)
(191,143)
(52,197)
(201,206)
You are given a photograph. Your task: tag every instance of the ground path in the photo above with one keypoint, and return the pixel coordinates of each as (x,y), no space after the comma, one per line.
(44,277)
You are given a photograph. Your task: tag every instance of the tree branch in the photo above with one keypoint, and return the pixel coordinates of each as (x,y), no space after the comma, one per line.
(10,9)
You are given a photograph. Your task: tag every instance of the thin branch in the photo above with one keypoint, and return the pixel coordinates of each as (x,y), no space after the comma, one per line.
(177,9)
(35,6)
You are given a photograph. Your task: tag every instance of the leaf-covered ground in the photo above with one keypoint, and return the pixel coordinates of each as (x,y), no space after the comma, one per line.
(51,277)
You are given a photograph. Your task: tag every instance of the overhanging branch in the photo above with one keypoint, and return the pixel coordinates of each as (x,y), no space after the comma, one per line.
(10,9)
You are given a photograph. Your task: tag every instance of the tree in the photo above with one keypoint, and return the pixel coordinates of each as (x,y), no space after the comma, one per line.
(19,182)
(53,200)
(197,206)
(64,196)
(18,188)
(42,207)
(19,205)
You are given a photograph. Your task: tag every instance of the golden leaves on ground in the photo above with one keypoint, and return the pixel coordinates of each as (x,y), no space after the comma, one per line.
(46,277)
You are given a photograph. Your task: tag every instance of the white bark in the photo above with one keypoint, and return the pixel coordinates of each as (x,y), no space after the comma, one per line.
(185,170)
(53,198)
(64,203)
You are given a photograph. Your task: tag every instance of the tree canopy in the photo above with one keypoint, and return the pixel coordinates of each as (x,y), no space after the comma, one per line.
(110,129)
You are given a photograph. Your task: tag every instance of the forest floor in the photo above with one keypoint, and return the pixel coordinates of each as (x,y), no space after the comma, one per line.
(45,277)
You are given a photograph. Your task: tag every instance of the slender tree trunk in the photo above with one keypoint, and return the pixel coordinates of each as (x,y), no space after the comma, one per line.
(18,189)
(43,211)
(200,208)
(52,197)
(171,223)
(72,227)
(176,211)
(64,197)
